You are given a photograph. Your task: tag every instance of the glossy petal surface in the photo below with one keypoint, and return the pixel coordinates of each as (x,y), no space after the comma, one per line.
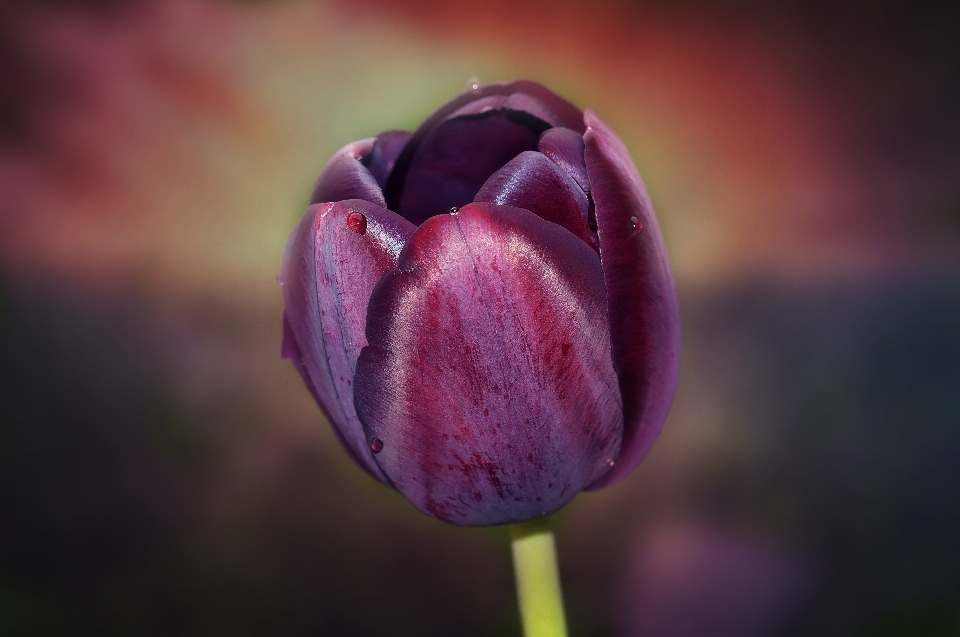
(641,296)
(329,271)
(345,176)
(536,183)
(488,377)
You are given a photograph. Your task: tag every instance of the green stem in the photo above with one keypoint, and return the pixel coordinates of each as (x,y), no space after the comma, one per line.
(538,581)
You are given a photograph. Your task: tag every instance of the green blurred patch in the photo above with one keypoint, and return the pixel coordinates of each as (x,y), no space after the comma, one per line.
(178,435)
(922,619)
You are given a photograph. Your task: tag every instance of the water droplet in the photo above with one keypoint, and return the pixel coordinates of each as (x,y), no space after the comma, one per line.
(610,461)
(473,83)
(376,445)
(454,210)
(635,225)
(357,222)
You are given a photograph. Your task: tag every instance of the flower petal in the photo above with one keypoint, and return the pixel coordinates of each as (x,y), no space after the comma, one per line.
(641,295)
(570,116)
(458,155)
(384,153)
(530,180)
(525,101)
(329,270)
(565,147)
(346,177)
(290,350)
(488,379)
(518,106)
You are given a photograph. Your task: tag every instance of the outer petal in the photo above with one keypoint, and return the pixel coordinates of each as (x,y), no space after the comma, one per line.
(488,377)
(290,350)
(346,177)
(525,98)
(328,273)
(641,296)
(532,181)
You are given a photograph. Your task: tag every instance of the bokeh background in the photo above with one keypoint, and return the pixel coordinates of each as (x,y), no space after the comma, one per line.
(164,472)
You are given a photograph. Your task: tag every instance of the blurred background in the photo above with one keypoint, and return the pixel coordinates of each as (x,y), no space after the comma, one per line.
(164,472)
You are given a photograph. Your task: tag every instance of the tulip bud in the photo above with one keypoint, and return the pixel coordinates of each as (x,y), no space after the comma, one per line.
(483,309)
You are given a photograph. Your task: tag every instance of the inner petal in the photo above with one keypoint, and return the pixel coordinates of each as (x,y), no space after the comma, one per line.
(382,157)
(458,156)
(532,181)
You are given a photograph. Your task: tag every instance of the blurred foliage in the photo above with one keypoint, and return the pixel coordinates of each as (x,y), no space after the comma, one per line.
(920,620)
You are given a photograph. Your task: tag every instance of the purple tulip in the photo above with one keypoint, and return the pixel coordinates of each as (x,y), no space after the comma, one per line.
(483,309)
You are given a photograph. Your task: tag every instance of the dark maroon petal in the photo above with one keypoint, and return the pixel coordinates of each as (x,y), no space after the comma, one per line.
(641,296)
(457,157)
(477,107)
(565,147)
(383,155)
(291,351)
(523,103)
(345,176)
(518,106)
(329,270)
(488,378)
(570,116)
(288,344)
(533,103)
(532,181)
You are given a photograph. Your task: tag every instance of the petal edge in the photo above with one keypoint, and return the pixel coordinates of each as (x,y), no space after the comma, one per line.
(641,294)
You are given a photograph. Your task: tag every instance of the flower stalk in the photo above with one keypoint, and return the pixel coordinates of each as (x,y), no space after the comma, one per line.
(538,579)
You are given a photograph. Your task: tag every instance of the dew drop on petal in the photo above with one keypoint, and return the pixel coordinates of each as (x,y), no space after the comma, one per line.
(376,445)
(473,83)
(454,210)
(357,222)
(635,225)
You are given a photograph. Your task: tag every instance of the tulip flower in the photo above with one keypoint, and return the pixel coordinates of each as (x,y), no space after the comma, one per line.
(483,309)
